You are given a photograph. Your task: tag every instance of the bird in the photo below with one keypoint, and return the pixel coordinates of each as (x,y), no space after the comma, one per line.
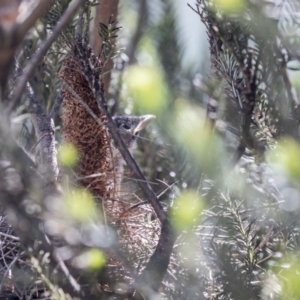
(129,128)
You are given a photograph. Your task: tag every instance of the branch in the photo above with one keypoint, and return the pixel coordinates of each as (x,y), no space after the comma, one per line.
(35,60)
(57,103)
(44,128)
(25,18)
(157,266)
(158,263)
(239,152)
(15,21)
(250,78)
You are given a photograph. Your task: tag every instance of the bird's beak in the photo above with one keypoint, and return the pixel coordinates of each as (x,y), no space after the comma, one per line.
(143,123)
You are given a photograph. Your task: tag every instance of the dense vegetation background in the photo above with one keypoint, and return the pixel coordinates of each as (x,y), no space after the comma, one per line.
(219,217)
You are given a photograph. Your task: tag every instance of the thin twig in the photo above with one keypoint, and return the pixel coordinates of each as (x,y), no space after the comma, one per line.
(13,31)
(56,105)
(8,270)
(12,237)
(38,141)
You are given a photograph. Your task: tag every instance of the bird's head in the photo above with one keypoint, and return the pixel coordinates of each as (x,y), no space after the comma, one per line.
(129,127)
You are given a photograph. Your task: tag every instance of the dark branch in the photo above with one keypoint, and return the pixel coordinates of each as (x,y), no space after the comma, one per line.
(57,103)
(157,266)
(44,128)
(11,35)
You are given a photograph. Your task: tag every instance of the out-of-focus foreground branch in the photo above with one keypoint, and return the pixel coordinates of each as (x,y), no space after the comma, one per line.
(16,19)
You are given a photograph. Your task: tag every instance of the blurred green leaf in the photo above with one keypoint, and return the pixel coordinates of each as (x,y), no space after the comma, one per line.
(286,157)
(80,205)
(93,259)
(295,79)
(146,86)
(186,210)
(288,269)
(68,155)
(229,6)
(96,259)
(190,131)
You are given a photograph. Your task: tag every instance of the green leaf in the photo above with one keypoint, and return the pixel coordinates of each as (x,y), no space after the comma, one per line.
(186,210)
(68,155)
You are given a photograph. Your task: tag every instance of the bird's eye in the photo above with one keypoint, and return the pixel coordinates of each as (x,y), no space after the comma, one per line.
(125,126)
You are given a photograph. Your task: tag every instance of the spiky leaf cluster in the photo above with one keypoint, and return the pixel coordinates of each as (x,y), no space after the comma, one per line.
(108,34)
(247,229)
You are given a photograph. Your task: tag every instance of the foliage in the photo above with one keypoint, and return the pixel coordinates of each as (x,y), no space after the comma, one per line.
(221,157)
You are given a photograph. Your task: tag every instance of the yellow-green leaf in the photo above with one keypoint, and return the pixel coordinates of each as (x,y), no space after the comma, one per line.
(146,87)
(186,211)
(286,157)
(229,6)
(68,155)
(80,205)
